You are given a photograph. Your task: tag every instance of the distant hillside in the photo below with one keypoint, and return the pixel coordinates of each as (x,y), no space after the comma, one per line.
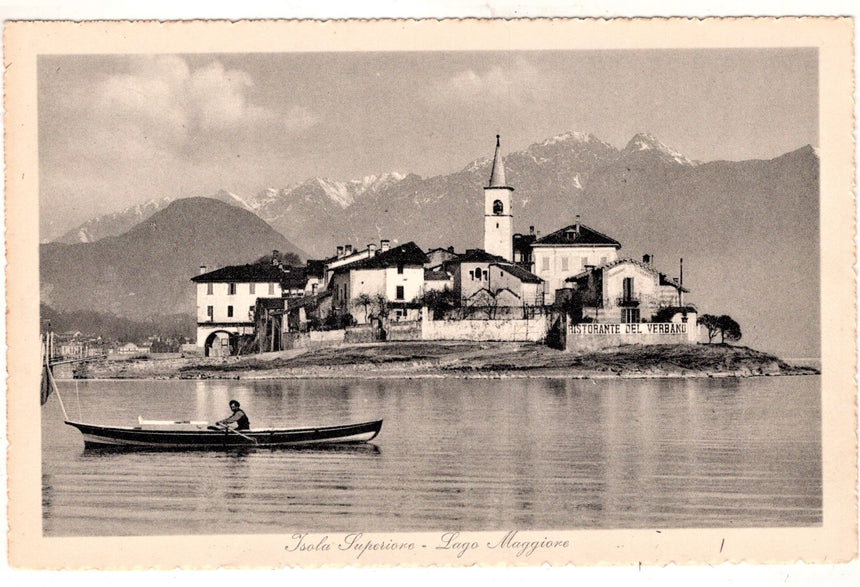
(147,270)
(747,230)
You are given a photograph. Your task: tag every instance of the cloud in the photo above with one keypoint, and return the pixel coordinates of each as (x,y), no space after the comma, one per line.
(516,82)
(163,104)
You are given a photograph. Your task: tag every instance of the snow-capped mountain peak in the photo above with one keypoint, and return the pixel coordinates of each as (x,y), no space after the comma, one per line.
(570,137)
(647,142)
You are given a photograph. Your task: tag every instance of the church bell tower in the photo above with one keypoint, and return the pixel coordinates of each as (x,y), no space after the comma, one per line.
(498,220)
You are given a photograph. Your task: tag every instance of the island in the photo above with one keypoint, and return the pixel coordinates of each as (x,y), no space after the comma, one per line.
(412,359)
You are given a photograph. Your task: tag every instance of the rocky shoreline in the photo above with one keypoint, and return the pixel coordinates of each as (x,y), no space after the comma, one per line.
(460,360)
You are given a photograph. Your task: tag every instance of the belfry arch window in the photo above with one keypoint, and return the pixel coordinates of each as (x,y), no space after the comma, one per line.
(498,207)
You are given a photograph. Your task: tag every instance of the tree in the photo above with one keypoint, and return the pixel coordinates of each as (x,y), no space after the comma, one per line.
(381,305)
(439,302)
(364,300)
(711,323)
(729,329)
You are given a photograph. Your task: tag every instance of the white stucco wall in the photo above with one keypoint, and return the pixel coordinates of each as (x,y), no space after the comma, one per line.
(241,301)
(477,330)
(550,262)
(646,287)
(498,228)
(412,280)
(374,282)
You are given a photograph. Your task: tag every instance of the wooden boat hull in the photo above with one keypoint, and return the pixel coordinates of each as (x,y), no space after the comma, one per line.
(201,438)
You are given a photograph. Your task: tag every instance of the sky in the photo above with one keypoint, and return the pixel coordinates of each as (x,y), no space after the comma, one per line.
(116,130)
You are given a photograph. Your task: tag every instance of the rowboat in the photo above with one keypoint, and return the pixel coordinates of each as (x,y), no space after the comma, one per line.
(189,434)
(193,435)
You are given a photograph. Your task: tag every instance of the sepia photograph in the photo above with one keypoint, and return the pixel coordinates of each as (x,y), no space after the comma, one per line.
(434,302)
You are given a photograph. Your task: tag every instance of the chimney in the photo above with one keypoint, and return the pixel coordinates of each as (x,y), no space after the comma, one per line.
(647,259)
(531,229)
(347,250)
(276,257)
(202,269)
(576,226)
(451,249)
(371,249)
(384,245)
(339,251)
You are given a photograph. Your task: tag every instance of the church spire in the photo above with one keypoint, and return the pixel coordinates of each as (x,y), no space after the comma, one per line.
(497,176)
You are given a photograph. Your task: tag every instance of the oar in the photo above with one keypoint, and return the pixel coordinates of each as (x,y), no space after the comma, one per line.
(143,422)
(234,431)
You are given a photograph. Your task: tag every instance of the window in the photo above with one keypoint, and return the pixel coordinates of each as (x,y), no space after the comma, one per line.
(603,260)
(628,288)
(498,208)
(252,288)
(478,273)
(400,268)
(630,315)
(210,312)
(544,264)
(271,289)
(399,292)
(472,275)
(231,289)
(209,287)
(564,264)
(229,311)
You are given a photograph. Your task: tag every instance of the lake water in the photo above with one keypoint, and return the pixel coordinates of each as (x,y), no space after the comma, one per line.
(453,454)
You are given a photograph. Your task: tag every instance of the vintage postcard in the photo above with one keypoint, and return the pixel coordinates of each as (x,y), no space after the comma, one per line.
(413,293)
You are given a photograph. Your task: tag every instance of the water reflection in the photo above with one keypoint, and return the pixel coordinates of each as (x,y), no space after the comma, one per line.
(453,454)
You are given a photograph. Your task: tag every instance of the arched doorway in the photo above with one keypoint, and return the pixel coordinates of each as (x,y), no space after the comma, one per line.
(220,344)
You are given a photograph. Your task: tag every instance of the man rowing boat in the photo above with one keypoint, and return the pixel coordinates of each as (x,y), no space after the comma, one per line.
(239,418)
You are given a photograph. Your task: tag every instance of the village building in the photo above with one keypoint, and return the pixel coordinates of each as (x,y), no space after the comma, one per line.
(227,300)
(438,280)
(436,258)
(314,277)
(481,279)
(346,255)
(394,276)
(626,291)
(522,247)
(568,251)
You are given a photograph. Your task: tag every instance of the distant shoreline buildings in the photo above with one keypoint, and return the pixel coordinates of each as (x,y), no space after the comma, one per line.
(517,287)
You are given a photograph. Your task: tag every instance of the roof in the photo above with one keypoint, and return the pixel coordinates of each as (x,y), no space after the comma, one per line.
(518,272)
(406,254)
(304,301)
(289,277)
(663,279)
(569,236)
(259,273)
(294,277)
(497,175)
(433,275)
(478,256)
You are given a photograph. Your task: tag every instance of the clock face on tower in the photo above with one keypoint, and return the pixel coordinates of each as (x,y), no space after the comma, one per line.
(498,207)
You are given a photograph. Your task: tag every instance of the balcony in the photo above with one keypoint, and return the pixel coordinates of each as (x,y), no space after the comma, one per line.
(628,301)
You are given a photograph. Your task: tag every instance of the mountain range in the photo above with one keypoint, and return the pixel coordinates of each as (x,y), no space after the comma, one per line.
(747,230)
(145,271)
